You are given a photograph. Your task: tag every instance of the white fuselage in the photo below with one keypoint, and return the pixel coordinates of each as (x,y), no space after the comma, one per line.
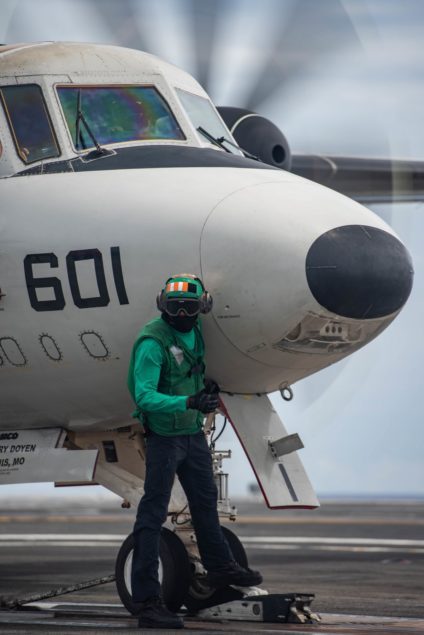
(246,232)
(84,250)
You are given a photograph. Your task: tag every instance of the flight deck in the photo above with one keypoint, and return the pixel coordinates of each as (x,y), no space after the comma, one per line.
(364,561)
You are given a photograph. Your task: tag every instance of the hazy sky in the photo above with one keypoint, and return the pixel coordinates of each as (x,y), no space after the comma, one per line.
(337,77)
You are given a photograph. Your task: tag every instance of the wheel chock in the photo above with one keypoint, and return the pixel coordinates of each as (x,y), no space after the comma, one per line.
(273,608)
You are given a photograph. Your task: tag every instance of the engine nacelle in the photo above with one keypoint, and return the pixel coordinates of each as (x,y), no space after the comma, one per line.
(257,135)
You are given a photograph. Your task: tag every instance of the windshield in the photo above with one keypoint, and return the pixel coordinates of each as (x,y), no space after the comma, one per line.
(29,122)
(117,113)
(202,114)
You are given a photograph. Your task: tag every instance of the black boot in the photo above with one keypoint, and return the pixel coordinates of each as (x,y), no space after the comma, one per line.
(235,574)
(154,614)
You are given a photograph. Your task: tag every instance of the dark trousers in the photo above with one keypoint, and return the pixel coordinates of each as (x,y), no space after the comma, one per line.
(189,457)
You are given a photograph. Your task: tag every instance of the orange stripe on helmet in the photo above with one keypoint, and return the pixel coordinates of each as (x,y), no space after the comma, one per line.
(176,286)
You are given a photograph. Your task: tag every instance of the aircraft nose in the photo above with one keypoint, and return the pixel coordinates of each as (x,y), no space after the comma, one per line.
(360,272)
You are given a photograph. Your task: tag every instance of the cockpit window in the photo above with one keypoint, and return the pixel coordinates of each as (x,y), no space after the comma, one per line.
(114,114)
(202,114)
(29,122)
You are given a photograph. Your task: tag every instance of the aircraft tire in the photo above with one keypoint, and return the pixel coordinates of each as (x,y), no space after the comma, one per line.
(174,571)
(200,596)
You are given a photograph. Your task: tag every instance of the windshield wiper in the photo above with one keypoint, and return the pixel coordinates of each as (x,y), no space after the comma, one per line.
(219,141)
(214,140)
(80,119)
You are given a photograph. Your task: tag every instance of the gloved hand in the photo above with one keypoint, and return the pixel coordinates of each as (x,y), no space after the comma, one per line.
(211,387)
(203,401)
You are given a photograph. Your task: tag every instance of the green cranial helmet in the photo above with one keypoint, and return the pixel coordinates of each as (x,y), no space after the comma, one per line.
(184,286)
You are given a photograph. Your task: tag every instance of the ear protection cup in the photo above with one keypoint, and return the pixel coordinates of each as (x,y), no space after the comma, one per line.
(161,300)
(205,300)
(206,303)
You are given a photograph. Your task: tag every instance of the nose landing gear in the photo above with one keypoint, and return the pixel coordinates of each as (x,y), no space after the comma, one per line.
(182,577)
(184,586)
(181,573)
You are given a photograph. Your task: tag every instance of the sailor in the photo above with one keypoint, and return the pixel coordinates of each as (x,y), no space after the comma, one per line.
(167,382)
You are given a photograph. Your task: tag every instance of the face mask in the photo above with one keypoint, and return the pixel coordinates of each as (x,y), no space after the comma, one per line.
(183,323)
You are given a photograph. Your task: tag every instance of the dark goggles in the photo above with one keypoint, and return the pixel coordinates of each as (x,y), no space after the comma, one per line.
(187,306)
